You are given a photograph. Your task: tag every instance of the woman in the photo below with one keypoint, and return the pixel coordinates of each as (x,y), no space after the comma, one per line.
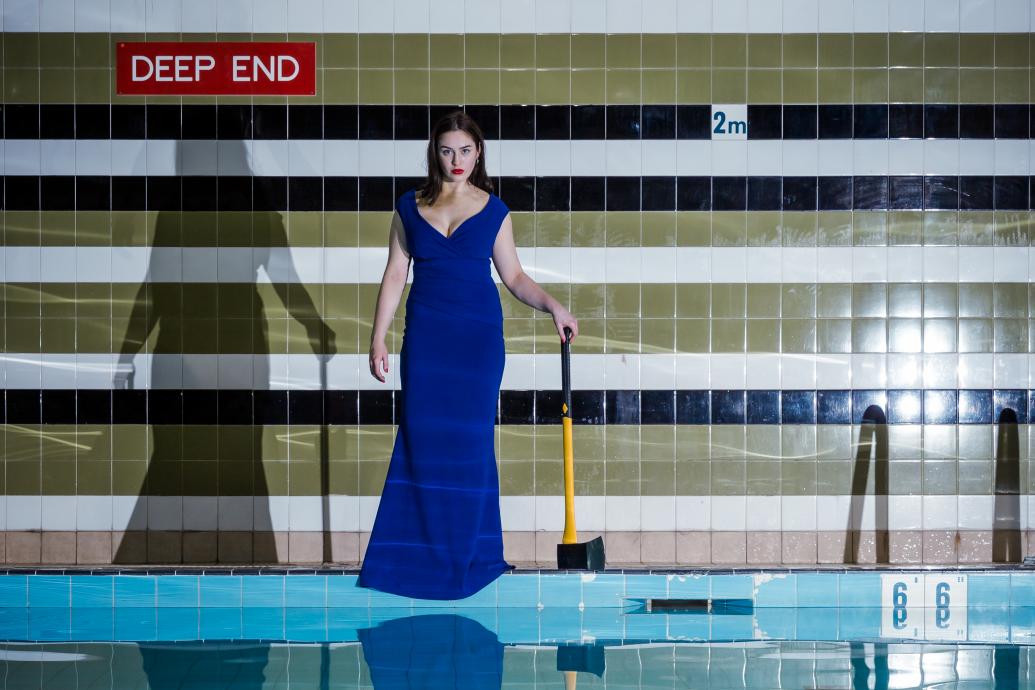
(437,532)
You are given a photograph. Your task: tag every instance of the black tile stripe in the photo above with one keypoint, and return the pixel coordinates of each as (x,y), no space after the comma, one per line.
(237,121)
(338,407)
(759,193)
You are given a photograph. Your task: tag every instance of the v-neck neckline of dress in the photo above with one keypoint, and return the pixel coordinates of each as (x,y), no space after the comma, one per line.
(447,238)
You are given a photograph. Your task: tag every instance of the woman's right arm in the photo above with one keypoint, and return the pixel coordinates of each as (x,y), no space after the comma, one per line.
(392,284)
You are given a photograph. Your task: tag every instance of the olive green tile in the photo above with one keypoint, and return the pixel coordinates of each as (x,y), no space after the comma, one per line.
(729,85)
(517,477)
(658,228)
(940,228)
(587,51)
(834,478)
(658,336)
(869,335)
(729,229)
(482,51)
(906,300)
(763,335)
(376,50)
(905,228)
(833,335)
(623,50)
(694,229)
(588,299)
(694,50)
(941,85)
(553,51)
(977,50)
(798,300)
(728,300)
(694,86)
(763,301)
(799,50)
(764,86)
(975,335)
(659,87)
(623,229)
(693,335)
(91,50)
(729,50)
(588,229)
(1013,228)
(834,229)
(1011,50)
(659,51)
(553,87)
(905,85)
(835,50)
(622,336)
(552,229)
(870,50)
(24,49)
(1011,85)
(413,86)
(975,442)
(977,86)
(622,300)
(904,335)
(906,49)
(976,228)
(693,477)
(800,85)
(941,50)
(869,300)
(798,477)
(764,50)
(1010,300)
(798,336)
(763,477)
(623,86)
(729,477)
(870,229)
(798,229)
(940,299)
(517,51)
(833,300)
(659,300)
(413,50)
(693,300)
(657,478)
(975,299)
(588,86)
(57,86)
(1011,335)
(375,86)
(447,87)
(340,50)
(447,51)
(728,335)
(870,85)
(835,86)
(939,335)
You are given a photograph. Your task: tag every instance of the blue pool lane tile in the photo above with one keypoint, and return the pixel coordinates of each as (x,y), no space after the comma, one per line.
(776,623)
(519,589)
(50,624)
(859,623)
(689,627)
(342,623)
(95,591)
(136,624)
(988,589)
(732,627)
(305,591)
(817,590)
(51,591)
(14,591)
(560,625)
(94,624)
(560,590)
(136,591)
(486,597)
(987,623)
(732,586)
(642,586)
(221,623)
(14,623)
(177,591)
(518,625)
(858,589)
(1022,589)
(775,590)
(342,592)
(222,591)
(306,624)
(265,622)
(603,590)
(179,623)
(816,623)
(263,590)
(689,587)
(603,623)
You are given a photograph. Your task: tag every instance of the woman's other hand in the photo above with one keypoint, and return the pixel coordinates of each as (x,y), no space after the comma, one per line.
(378,359)
(561,318)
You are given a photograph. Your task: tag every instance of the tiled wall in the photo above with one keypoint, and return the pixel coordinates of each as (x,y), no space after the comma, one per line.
(811,345)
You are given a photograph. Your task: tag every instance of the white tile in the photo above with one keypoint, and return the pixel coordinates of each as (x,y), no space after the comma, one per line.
(943,264)
(94,16)
(657,265)
(905,370)
(657,513)
(93,157)
(58,371)
(836,16)
(377,17)
(728,371)
(941,157)
(587,372)
(271,158)
(306,513)
(693,16)
(165,512)
(483,16)
(273,512)
(234,371)
(234,16)
(764,515)
(1011,16)
(693,264)
(657,372)
(939,512)
(693,513)
(902,263)
(552,17)
(590,511)
(803,264)
(624,158)
(553,158)
(763,371)
(797,513)
(200,370)
(623,16)
(553,264)
(341,158)
(869,371)
(305,16)
(198,16)
(976,370)
(58,513)
(975,512)
(977,15)
(833,512)
(344,513)
(199,265)
(832,264)
(905,513)
(622,513)
(518,17)
(588,157)
(940,371)
(835,157)
(621,265)
(729,264)
(729,157)
(765,158)
(518,513)
(305,158)
(729,513)
(21,15)
(764,264)
(906,15)
(621,372)
(870,512)
(237,264)
(870,157)
(1011,157)
(24,512)
(22,157)
(162,17)
(166,371)
(93,266)
(22,264)
(200,512)
(906,157)
(871,16)
(342,16)
(694,157)
(56,15)
(128,513)
(800,16)
(764,15)
(833,371)
(516,157)
(693,371)
(975,265)
(412,16)
(942,16)
(60,265)
(93,513)
(729,16)
(870,264)
(659,16)
(1011,370)
(588,17)
(659,158)
(798,372)
(1011,264)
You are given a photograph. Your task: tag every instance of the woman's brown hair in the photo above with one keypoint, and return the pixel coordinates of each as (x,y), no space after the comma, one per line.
(456,120)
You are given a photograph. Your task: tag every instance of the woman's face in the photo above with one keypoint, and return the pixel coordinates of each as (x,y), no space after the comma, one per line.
(457,154)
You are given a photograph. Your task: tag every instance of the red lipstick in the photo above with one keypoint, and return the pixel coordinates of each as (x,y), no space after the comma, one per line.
(458,171)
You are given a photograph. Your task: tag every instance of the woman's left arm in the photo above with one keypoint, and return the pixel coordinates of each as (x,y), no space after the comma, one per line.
(508,266)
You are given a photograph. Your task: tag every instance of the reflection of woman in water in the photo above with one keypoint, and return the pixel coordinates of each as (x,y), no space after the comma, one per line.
(437,532)
(162,315)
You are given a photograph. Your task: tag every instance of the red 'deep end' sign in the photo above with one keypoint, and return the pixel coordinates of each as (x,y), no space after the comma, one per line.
(215,68)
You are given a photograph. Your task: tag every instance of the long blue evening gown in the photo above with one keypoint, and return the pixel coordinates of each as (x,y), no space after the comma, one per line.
(437,532)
